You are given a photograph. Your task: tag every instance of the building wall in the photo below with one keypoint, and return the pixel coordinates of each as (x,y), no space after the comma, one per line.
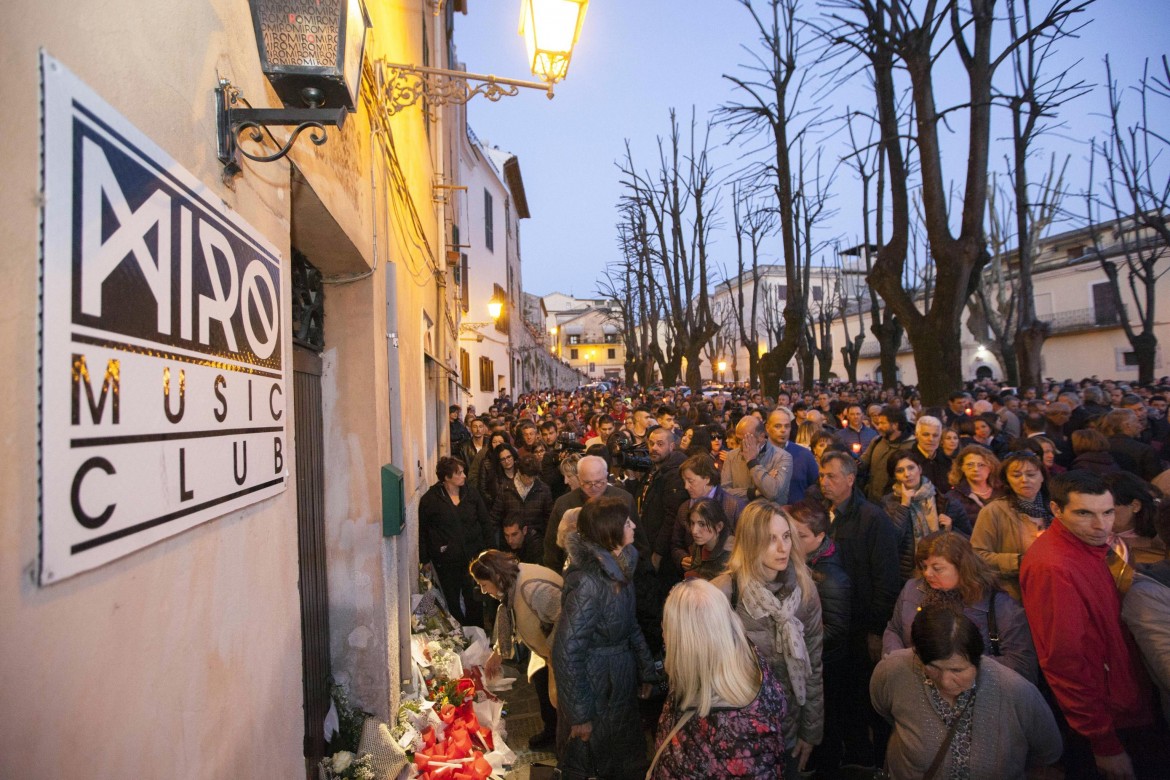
(183,660)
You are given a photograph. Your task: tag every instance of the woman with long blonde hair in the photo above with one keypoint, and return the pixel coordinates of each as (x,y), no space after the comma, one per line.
(723,715)
(772,591)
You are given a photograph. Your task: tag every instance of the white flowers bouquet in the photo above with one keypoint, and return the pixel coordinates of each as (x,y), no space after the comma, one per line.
(344,765)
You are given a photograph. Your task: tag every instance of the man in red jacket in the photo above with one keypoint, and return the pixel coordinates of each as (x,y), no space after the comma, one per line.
(1074,611)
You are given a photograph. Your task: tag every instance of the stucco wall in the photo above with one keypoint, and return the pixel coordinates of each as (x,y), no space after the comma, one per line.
(181,660)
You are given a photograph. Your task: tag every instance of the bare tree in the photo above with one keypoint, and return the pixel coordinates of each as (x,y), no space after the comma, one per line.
(754,222)
(678,202)
(772,299)
(1129,216)
(769,112)
(915,36)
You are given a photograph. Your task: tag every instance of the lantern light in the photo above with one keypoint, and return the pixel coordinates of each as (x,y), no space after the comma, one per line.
(551,29)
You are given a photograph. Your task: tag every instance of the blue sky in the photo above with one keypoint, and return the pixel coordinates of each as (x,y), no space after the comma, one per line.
(638,58)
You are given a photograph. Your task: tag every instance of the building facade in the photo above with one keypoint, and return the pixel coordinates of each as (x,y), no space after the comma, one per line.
(207,653)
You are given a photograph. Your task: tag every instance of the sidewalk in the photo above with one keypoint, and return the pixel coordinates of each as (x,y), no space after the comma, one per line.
(522,720)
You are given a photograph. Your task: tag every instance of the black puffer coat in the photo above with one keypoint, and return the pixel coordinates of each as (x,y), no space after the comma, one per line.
(599,655)
(836,592)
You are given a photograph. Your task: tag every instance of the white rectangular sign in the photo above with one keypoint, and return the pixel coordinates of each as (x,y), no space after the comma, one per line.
(163,396)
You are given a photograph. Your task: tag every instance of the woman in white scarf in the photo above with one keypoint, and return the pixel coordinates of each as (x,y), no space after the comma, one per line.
(773,593)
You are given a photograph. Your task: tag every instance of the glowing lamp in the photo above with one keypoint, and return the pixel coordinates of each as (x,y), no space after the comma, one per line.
(551,29)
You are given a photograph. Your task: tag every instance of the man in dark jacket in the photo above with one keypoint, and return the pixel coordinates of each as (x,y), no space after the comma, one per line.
(458,430)
(1122,428)
(868,544)
(928,436)
(526,499)
(661,491)
(591,470)
(891,424)
(550,467)
(523,542)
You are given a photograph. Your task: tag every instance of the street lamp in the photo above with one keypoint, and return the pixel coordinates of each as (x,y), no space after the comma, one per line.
(495,309)
(312,54)
(550,28)
(722,366)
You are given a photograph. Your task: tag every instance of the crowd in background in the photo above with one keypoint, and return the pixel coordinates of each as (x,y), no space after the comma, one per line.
(833,583)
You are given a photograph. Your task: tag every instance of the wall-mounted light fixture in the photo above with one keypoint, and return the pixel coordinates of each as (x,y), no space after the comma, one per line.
(311,51)
(550,29)
(495,310)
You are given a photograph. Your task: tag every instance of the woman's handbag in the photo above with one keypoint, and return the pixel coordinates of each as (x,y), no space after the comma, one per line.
(578,762)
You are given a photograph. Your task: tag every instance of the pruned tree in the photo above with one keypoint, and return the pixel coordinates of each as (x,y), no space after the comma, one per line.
(724,346)
(851,300)
(630,284)
(810,197)
(915,36)
(754,221)
(770,114)
(869,160)
(1038,91)
(678,202)
(1129,207)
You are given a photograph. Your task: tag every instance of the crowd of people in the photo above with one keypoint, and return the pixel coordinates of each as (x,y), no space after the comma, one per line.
(835,583)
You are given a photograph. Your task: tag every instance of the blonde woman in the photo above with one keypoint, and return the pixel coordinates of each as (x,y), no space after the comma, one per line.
(772,591)
(723,715)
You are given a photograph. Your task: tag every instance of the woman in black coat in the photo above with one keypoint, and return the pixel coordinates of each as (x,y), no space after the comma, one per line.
(453,528)
(599,652)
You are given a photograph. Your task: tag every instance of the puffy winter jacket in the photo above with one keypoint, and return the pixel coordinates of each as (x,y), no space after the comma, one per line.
(836,592)
(599,655)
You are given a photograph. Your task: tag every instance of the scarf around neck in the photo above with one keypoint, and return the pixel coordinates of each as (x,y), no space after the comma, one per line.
(923,509)
(787,630)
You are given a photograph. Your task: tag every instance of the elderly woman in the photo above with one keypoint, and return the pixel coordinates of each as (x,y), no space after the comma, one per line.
(530,603)
(599,652)
(975,475)
(701,480)
(916,508)
(453,526)
(772,591)
(1007,526)
(956,714)
(952,574)
(722,717)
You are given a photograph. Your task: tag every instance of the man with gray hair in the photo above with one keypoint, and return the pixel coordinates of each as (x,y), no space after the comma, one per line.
(592,472)
(928,436)
(757,468)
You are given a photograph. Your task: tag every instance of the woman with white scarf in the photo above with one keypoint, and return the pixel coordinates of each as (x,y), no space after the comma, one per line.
(916,508)
(772,591)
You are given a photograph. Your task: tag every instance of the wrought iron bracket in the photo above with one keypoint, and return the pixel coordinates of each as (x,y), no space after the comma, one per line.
(401,86)
(231,122)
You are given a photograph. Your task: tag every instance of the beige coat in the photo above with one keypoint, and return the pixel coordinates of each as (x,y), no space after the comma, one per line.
(1001,535)
(536,606)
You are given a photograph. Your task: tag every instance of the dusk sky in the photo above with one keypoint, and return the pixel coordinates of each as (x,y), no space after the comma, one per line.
(638,58)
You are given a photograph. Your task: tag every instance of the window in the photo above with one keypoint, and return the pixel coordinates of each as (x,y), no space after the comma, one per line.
(1104,304)
(611,354)
(502,324)
(487,375)
(611,338)
(574,339)
(463,282)
(818,293)
(572,354)
(488,222)
(465,368)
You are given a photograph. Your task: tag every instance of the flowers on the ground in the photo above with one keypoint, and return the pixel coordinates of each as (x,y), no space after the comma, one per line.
(344,765)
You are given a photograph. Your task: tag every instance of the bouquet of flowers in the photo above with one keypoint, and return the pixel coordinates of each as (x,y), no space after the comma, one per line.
(344,765)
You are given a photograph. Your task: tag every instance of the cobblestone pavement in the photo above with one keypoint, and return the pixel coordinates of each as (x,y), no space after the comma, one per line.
(522,721)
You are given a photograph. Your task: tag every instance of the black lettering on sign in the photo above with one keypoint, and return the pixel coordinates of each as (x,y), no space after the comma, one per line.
(111,388)
(276,413)
(277,455)
(239,476)
(184,493)
(87,520)
(174,416)
(220,414)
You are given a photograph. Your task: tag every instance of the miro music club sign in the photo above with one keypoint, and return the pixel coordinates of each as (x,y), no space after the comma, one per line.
(162,376)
